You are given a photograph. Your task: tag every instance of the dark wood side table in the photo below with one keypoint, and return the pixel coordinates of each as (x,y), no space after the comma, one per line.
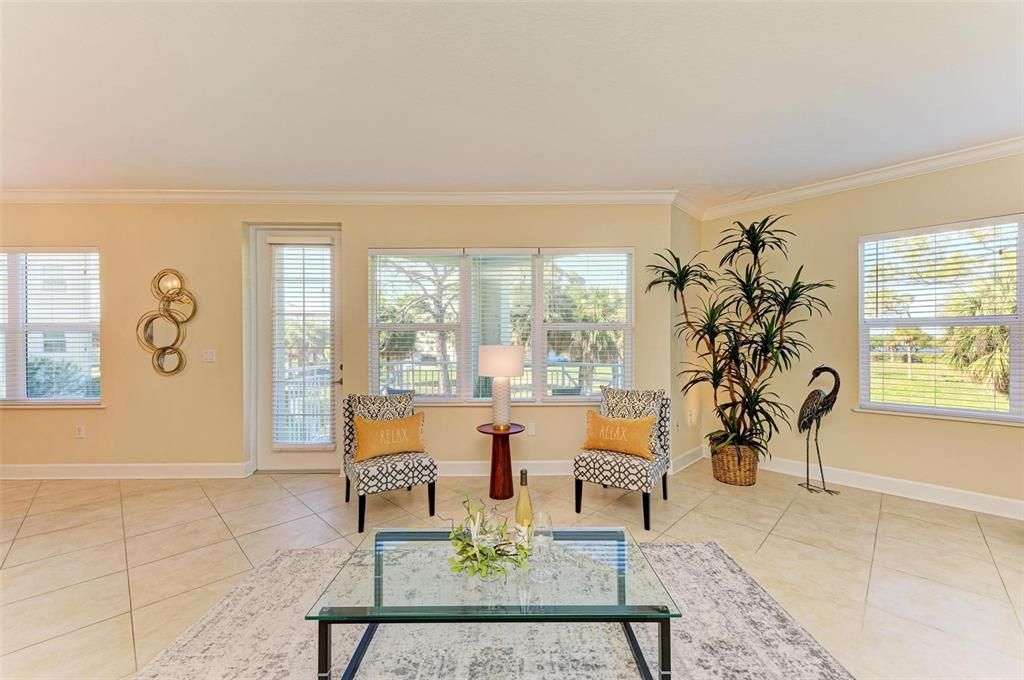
(501,459)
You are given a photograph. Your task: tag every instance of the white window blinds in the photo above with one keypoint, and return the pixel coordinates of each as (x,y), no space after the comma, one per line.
(587,322)
(5,330)
(302,329)
(941,325)
(501,288)
(431,310)
(416,323)
(50,316)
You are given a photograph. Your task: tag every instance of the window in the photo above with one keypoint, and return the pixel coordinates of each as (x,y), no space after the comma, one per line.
(430,310)
(586,322)
(50,316)
(501,293)
(941,322)
(415,303)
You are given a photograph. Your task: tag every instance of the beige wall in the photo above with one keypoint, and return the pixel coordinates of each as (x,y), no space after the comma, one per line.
(976,457)
(198,416)
(686,410)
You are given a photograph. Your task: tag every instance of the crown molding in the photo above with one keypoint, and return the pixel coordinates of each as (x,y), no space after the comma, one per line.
(687,206)
(340,197)
(977,154)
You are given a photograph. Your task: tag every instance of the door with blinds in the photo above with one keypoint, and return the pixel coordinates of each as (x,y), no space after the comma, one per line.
(297,352)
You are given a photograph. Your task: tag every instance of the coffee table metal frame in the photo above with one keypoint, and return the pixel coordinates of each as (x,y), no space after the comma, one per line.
(378,614)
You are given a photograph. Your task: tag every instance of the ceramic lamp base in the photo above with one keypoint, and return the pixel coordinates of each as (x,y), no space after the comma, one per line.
(501,393)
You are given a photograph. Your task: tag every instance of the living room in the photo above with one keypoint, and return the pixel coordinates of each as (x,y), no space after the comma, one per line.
(483,340)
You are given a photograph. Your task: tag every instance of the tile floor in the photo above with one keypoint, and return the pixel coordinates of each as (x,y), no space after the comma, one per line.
(100,575)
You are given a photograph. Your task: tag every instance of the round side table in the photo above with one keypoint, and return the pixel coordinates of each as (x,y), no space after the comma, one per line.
(501,459)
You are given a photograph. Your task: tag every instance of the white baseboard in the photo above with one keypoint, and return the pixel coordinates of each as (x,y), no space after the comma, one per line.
(933,493)
(687,459)
(921,491)
(128,470)
(446,468)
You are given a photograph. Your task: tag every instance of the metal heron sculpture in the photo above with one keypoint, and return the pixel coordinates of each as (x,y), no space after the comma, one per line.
(816,406)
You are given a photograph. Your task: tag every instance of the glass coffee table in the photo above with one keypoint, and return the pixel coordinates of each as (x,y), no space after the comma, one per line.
(588,574)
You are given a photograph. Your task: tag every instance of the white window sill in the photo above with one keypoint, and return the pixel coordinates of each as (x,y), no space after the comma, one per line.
(57,405)
(939,416)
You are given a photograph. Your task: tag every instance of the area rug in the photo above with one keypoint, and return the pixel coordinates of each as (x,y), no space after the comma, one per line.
(730,628)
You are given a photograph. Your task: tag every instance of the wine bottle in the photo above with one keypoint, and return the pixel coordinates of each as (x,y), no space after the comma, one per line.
(524,511)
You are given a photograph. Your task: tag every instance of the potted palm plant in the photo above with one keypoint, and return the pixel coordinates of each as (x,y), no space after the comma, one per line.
(743,326)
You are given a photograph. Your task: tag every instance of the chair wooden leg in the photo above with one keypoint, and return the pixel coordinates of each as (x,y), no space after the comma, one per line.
(605,485)
(430,497)
(664,486)
(579,495)
(647,511)
(348,484)
(362,512)
(408,488)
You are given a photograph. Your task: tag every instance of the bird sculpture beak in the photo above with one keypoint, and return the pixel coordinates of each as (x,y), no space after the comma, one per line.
(813,378)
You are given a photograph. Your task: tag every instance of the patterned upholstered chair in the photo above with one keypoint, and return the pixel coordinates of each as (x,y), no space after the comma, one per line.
(621,470)
(383,473)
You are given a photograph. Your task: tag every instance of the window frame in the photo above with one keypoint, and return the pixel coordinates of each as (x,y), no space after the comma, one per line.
(1014,322)
(375,327)
(541,327)
(463,328)
(17,327)
(466,339)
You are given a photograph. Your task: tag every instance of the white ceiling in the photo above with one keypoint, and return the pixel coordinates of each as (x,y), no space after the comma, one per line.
(720,101)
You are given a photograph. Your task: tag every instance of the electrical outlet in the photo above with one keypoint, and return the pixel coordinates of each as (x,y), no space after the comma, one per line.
(531,429)
(691,416)
(79,431)
(209,355)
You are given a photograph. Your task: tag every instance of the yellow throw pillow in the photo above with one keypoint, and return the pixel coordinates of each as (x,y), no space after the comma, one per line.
(625,435)
(384,437)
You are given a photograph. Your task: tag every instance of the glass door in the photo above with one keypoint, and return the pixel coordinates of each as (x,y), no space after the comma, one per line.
(297,349)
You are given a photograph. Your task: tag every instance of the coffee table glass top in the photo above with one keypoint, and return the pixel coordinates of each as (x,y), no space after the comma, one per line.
(404,575)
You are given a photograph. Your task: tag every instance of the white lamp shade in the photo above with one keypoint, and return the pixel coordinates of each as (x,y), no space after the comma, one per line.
(500,361)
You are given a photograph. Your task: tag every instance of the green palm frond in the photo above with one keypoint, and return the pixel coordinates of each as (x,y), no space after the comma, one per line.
(678,276)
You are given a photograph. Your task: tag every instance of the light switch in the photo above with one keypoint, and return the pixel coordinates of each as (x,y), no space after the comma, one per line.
(531,429)
(209,355)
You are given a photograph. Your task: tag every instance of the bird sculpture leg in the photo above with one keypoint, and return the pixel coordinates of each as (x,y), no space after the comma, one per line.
(821,468)
(807,484)
(807,457)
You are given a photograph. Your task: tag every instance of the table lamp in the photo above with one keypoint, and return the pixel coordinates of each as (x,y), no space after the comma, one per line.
(501,362)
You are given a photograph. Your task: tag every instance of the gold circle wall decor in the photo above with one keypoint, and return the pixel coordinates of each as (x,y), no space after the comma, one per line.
(167,282)
(176,307)
(183,306)
(168,361)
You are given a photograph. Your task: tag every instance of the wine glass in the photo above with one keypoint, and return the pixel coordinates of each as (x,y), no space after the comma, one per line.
(543,537)
(543,532)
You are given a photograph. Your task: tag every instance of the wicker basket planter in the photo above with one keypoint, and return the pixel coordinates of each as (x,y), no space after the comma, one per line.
(730,468)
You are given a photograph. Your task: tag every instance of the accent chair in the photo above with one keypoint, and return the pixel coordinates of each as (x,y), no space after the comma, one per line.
(622,470)
(383,473)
